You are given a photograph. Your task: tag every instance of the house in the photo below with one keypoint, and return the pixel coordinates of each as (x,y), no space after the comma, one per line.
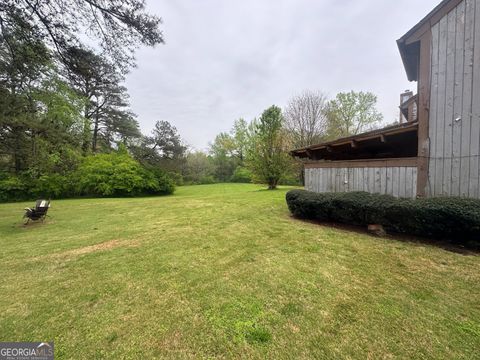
(436,151)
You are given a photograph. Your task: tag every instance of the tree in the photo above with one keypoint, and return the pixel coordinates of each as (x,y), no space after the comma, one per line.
(198,168)
(306,118)
(268,157)
(162,149)
(228,150)
(23,66)
(222,151)
(118,26)
(240,137)
(57,95)
(39,114)
(167,141)
(121,126)
(107,114)
(352,113)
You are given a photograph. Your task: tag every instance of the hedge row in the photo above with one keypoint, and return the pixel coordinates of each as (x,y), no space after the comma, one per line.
(114,174)
(456,219)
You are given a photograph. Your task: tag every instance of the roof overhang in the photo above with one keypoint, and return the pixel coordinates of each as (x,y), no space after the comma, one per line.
(409,44)
(372,138)
(411,58)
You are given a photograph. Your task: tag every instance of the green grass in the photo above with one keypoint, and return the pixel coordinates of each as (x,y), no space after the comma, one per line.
(223,271)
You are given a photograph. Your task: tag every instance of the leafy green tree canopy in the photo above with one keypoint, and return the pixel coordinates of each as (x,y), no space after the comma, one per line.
(118,26)
(268,157)
(352,113)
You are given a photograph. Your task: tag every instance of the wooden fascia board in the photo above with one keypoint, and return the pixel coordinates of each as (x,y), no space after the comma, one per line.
(366,163)
(380,136)
(318,147)
(416,33)
(422,29)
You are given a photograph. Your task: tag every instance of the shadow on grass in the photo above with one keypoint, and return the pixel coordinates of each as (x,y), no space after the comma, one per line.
(280,188)
(471,248)
(33,224)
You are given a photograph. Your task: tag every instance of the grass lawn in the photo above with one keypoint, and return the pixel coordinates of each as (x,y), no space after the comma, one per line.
(222,271)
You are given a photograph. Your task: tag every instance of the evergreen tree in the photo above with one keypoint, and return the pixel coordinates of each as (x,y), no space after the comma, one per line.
(107,114)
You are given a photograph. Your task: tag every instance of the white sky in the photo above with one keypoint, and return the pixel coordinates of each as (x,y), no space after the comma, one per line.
(226,59)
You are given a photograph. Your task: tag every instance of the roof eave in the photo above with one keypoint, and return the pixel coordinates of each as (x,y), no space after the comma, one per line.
(411,70)
(389,130)
(412,37)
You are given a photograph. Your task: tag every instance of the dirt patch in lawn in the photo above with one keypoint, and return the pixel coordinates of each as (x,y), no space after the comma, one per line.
(105,246)
(98,247)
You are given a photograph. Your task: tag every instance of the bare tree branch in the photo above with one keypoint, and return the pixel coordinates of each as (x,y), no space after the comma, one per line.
(306,119)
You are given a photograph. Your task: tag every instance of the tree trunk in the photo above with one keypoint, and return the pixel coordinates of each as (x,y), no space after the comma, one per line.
(95,133)
(94,138)
(16,153)
(86,131)
(272,185)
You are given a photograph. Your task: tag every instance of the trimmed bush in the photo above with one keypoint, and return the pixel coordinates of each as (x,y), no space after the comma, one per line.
(457,219)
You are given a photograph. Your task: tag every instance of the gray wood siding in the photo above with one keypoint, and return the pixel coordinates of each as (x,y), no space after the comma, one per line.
(454,125)
(395,181)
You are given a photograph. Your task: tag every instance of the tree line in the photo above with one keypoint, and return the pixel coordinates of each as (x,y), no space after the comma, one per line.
(67,129)
(257,151)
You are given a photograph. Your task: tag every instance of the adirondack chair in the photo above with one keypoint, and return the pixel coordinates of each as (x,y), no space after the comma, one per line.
(39,212)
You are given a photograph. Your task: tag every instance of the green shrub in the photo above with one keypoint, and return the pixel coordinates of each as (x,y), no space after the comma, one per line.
(241,175)
(13,188)
(290,179)
(436,217)
(205,180)
(51,186)
(164,182)
(28,186)
(113,174)
(118,174)
(174,176)
(454,218)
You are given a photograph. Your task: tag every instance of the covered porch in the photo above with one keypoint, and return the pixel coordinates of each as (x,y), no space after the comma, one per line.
(382,161)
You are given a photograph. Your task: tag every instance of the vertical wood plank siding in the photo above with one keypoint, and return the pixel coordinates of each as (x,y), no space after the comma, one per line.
(395,181)
(454,124)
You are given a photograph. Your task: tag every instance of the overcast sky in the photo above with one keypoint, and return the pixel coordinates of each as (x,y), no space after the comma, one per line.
(229,59)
